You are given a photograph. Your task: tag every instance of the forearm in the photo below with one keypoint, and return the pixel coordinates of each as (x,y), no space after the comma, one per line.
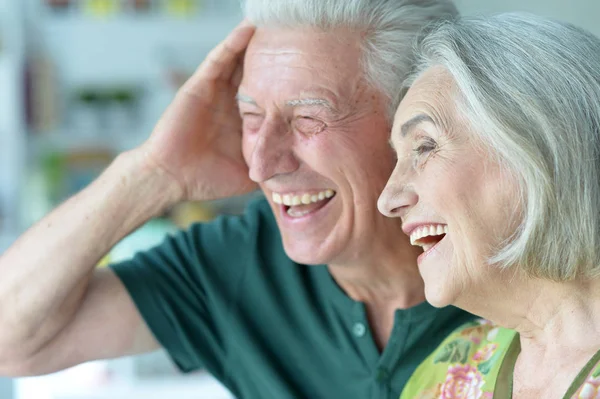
(45,273)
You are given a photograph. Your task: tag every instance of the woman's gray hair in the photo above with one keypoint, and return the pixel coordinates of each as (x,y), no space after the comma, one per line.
(389,28)
(530,87)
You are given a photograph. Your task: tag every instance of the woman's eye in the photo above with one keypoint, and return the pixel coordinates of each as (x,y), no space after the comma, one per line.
(423,150)
(425,146)
(308,126)
(251,122)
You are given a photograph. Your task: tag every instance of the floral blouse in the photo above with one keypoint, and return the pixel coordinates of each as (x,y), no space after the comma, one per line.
(468,365)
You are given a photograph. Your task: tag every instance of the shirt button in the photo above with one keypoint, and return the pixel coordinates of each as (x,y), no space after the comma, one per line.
(359,329)
(382,375)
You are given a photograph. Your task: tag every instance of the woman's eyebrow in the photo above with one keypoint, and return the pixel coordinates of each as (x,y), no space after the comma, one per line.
(413,122)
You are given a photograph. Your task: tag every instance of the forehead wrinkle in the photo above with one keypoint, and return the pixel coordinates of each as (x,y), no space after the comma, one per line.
(270,52)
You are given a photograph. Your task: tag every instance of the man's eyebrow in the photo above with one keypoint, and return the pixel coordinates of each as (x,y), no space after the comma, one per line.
(245,99)
(290,103)
(308,102)
(413,122)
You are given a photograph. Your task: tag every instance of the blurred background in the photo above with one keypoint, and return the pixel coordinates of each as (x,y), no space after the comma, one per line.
(81,81)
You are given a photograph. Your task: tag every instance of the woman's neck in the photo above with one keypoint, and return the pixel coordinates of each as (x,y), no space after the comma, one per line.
(547,313)
(558,326)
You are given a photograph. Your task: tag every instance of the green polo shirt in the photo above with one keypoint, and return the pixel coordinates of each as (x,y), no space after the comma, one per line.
(225,297)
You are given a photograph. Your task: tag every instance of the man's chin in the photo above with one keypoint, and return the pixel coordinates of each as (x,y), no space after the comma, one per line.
(308,253)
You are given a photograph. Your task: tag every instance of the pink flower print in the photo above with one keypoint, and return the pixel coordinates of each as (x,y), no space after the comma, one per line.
(484,354)
(476,333)
(589,390)
(462,382)
(432,393)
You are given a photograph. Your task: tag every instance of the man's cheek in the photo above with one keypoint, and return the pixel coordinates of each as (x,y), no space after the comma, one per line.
(247,148)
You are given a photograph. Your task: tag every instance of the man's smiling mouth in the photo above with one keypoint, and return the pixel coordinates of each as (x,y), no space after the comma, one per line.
(301,204)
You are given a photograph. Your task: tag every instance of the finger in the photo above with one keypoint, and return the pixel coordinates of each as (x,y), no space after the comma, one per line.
(222,61)
(238,73)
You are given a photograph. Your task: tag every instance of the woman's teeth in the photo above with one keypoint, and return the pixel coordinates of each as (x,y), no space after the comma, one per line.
(304,199)
(417,237)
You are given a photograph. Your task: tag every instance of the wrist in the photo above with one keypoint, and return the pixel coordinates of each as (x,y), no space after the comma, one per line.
(154,188)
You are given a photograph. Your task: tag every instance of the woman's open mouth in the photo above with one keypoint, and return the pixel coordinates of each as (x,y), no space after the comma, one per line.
(428,236)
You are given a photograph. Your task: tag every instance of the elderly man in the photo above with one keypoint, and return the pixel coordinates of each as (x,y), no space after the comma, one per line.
(237,296)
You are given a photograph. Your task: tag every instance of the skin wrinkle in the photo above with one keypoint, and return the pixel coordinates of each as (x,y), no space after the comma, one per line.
(464,185)
(434,97)
(366,253)
(315,109)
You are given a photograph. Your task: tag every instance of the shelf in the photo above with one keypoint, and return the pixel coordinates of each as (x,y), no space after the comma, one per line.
(68,140)
(158,10)
(147,29)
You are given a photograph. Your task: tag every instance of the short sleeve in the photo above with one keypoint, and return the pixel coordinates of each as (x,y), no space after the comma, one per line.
(185,287)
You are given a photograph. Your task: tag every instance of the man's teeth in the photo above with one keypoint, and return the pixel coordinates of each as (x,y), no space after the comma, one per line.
(304,199)
(427,231)
(293,212)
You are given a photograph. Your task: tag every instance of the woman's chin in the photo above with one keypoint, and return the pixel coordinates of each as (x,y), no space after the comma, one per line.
(436,298)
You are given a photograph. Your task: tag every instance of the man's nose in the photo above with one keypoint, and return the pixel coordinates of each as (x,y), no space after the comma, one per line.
(398,196)
(273,152)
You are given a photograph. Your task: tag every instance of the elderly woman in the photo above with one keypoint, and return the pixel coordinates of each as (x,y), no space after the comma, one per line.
(498,179)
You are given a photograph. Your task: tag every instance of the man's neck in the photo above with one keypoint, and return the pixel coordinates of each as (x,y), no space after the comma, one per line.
(384,278)
(384,283)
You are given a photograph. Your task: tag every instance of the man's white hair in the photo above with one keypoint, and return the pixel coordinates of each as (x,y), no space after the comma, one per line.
(388,27)
(530,88)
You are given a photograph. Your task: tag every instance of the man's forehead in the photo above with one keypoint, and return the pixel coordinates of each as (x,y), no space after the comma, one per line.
(304,42)
(301,67)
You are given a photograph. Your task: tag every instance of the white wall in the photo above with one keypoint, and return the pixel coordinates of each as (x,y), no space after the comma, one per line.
(583,13)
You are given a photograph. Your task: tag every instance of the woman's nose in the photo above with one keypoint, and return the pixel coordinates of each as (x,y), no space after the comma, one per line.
(398,196)
(396,200)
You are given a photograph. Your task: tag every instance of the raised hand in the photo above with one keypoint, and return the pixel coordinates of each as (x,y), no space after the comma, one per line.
(197,142)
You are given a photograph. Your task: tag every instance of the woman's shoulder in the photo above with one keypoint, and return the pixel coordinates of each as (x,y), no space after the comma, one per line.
(468,360)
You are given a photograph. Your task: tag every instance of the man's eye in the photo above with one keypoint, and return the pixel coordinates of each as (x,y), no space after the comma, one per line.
(251,121)
(308,126)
